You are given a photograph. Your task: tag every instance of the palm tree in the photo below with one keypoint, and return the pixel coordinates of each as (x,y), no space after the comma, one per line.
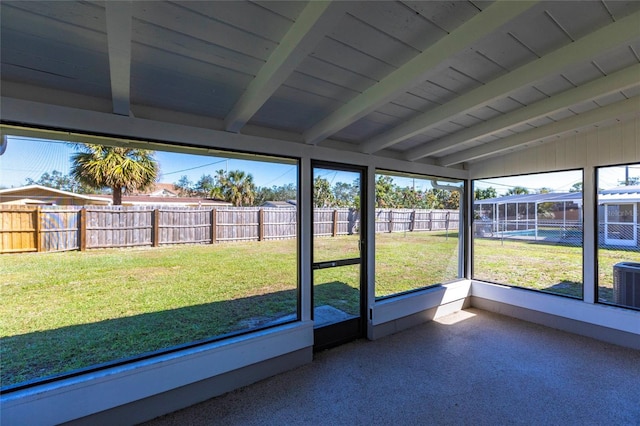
(239,188)
(517,190)
(121,169)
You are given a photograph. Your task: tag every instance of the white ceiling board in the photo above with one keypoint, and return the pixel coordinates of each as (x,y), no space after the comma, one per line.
(618,58)
(315,67)
(466,120)
(368,40)
(334,52)
(583,107)
(505,51)
(476,65)
(454,81)
(505,105)
(621,8)
(154,36)
(446,15)
(320,87)
(400,22)
(287,9)
(244,15)
(610,99)
(582,73)
(39,55)
(398,111)
(577,24)
(297,108)
(178,19)
(415,102)
(560,115)
(433,93)
(553,85)
(147,61)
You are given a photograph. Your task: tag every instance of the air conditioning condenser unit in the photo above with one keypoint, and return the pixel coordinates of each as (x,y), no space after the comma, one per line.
(626,284)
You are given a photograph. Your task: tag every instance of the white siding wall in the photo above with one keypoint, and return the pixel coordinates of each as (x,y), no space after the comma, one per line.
(599,146)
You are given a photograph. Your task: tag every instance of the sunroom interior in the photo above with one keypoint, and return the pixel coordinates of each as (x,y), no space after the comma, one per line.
(450,94)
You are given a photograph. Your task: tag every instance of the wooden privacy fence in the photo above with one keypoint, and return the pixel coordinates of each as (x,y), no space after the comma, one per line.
(53,228)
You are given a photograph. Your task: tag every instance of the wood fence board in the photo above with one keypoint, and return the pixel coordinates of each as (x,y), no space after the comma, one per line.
(60,228)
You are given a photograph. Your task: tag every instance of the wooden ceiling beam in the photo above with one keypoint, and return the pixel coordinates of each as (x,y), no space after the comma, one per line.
(591,45)
(618,81)
(118,16)
(414,71)
(314,22)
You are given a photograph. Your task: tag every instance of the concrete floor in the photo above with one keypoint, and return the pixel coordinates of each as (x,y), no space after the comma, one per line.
(472,367)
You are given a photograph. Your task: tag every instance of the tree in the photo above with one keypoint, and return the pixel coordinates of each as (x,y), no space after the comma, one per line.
(576,187)
(185,187)
(57,180)
(322,194)
(119,168)
(485,194)
(238,188)
(629,181)
(385,192)
(205,186)
(346,194)
(517,190)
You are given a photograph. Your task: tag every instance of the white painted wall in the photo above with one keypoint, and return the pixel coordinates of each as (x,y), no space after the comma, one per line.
(598,146)
(614,144)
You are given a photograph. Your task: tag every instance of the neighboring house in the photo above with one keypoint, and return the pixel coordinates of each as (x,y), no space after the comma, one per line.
(38,195)
(168,201)
(289,204)
(160,190)
(34,195)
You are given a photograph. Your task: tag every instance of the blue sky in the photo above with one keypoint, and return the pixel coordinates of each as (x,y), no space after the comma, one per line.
(30,158)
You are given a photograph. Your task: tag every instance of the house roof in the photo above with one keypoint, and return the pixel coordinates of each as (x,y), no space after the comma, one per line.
(629,194)
(16,192)
(166,201)
(438,82)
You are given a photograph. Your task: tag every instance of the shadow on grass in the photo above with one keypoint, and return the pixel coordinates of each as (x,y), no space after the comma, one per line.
(566,288)
(44,355)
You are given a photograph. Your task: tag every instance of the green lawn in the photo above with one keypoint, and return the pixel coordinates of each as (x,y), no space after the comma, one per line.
(64,311)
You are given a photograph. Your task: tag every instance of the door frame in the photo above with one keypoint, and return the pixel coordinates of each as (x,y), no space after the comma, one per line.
(345,331)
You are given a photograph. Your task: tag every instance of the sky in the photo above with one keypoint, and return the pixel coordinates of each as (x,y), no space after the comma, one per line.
(30,158)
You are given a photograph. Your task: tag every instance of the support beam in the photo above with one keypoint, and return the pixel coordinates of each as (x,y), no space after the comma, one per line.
(317,18)
(619,110)
(618,81)
(414,71)
(595,43)
(119,46)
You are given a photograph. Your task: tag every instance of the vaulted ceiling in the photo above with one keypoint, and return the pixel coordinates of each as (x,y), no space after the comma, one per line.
(438,82)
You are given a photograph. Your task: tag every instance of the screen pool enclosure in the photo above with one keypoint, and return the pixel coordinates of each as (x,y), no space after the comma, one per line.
(558,217)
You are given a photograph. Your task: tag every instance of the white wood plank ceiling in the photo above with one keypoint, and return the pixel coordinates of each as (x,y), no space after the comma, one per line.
(438,82)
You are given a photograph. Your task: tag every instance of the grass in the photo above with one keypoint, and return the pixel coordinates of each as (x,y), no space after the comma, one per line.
(65,311)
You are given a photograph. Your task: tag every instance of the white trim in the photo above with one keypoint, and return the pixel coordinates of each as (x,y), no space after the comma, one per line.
(77,397)
(626,320)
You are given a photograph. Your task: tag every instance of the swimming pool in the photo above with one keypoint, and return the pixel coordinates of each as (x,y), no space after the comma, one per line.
(545,233)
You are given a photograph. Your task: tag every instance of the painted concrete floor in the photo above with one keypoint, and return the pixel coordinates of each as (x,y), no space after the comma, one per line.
(469,368)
